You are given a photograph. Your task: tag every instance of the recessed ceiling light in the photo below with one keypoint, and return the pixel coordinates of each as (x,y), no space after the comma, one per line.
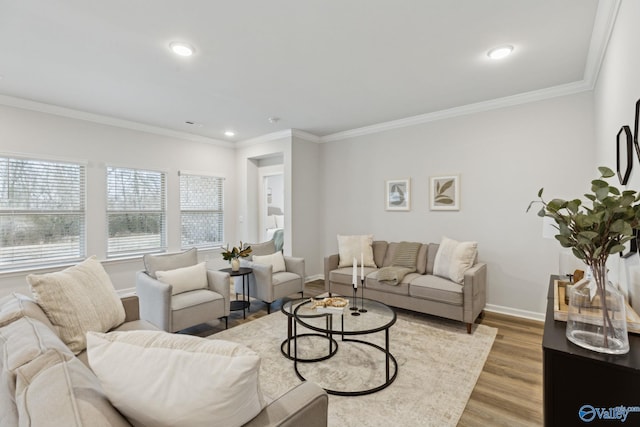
(230,133)
(181,48)
(500,52)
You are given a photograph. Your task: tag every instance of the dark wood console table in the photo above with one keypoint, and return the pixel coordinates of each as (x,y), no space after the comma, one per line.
(577,379)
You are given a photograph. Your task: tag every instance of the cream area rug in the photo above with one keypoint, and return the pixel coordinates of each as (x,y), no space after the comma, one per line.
(438,366)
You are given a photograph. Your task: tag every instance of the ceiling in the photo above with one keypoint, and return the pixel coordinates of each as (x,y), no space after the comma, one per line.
(321,66)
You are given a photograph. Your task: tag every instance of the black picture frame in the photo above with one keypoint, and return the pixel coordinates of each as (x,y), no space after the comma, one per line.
(628,146)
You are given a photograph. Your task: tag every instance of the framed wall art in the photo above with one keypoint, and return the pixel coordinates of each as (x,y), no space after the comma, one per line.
(397,195)
(444,193)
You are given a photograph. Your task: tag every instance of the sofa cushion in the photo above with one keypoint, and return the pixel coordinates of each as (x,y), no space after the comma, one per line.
(78,299)
(161,379)
(432,251)
(16,306)
(56,389)
(401,288)
(275,260)
(345,275)
(355,247)
(454,258)
(185,279)
(165,262)
(21,341)
(379,251)
(421,265)
(436,289)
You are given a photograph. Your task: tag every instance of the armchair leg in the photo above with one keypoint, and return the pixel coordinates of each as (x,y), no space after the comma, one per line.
(226,322)
(268,307)
(469,328)
(301,294)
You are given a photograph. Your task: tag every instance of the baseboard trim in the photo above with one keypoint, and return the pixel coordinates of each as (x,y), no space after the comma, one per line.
(314,277)
(127,292)
(515,312)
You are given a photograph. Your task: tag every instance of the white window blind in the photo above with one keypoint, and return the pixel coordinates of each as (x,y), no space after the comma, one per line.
(201,210)
(42,212)
(136,211)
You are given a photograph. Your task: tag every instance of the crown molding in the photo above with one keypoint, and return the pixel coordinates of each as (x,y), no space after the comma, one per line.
(40,107)
(287,133)
(605,19)
(478,107)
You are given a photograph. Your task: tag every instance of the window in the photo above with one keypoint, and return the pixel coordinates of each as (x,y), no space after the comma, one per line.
(42,212)
(201,212)
(135,211)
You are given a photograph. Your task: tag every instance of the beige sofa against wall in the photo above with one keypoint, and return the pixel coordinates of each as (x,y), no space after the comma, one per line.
(57,388)
(421,291)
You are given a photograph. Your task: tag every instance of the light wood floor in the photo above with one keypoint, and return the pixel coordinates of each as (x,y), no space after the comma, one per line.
(509,390)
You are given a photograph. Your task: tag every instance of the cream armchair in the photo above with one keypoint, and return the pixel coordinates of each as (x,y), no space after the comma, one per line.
(172,313)
(268,286)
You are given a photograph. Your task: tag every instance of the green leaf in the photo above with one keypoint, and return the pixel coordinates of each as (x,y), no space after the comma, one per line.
(605,172)
(541,212)
(540,192)
(616,248)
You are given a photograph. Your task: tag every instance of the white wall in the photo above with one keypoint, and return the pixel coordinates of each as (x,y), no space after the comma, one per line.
(307,221)
(503,157)
(45,135)
(616,93)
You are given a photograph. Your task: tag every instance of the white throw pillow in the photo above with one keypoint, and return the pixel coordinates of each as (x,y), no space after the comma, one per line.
(279,221)
(159,379)
(271,222)
(185,279)
(350,247)
(77,300)
(276,260)
(454,258)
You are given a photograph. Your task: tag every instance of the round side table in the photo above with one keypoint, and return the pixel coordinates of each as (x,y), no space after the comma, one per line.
(244,303)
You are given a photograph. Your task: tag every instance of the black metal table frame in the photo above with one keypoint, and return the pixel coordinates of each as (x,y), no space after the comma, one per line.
(291,337)
(329,331)
(243,304)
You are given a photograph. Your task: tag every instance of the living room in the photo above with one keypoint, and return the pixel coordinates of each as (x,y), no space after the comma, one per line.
(503,149)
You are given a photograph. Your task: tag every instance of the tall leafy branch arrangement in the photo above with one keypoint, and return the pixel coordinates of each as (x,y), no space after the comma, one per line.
(593,233)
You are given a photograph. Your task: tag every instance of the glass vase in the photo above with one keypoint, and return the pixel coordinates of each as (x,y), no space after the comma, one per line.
(597,316)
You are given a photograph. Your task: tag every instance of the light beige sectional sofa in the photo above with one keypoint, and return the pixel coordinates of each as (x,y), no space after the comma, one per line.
(420,291)
(43,383)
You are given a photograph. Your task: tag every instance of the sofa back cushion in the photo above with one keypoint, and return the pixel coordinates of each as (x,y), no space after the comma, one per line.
(431,257)
(56,389)
(77,300)
(153,263)
(421,266)
(379,251)
(17,306)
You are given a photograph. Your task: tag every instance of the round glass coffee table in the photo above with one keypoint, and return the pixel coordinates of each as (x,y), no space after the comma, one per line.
(285,348)
(377,318)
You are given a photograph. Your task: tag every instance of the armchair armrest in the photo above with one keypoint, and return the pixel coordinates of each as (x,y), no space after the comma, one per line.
(331,263)
(220,282)
(295,265)
(260,281)
(155,300)
(305,404)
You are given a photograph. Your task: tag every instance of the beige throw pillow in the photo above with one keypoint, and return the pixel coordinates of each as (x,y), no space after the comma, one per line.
(185,279)
(159,379)
(454,258)
(276,260)
(350,247)
(77,300)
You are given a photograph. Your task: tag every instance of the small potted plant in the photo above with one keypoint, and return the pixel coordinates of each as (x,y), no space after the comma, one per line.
(234,255)
(594,231)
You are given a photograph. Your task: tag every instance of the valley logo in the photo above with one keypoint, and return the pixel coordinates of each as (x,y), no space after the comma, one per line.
(588,413)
